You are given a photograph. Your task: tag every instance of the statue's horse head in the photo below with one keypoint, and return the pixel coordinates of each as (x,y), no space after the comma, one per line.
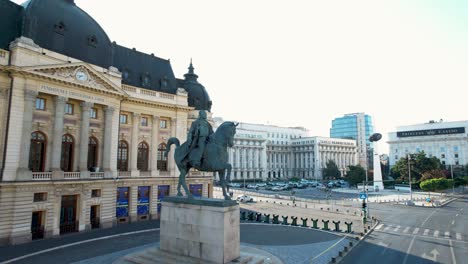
(225,133)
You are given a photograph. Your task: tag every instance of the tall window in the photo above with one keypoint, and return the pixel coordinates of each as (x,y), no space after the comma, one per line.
(144,121)
(40,104)
(92,152)
(93,113)
(163,123)
(162,160)
(122,156)
(66,162)
(37,152)
(142,161)
(123,119)
(68,109)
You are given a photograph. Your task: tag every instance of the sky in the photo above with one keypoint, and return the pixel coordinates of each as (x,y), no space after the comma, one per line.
(305,62)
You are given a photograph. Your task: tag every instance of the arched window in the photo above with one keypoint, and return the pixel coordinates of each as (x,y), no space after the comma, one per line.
(66,162)
(122,156)
(142,161)
(37,151)
(92,152)
(162,160)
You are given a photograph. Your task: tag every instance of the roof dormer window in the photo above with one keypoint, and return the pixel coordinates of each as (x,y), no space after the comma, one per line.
(145,80)
(60,28)
(92,41)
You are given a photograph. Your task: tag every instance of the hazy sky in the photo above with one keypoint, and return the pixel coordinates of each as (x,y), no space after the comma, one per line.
(303,63)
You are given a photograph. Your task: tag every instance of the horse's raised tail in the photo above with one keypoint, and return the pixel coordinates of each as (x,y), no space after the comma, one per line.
(171,141)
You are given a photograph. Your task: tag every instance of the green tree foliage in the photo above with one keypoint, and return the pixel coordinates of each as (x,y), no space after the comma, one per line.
(331,170)
(433,174)
(356,174)
(420,164)
(433,185)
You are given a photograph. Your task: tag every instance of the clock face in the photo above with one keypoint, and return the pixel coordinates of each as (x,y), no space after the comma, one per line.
(81,76)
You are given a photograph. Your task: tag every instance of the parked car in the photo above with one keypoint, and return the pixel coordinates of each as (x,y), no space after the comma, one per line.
(277,188)
(235,185)
(244,198)
(252,186)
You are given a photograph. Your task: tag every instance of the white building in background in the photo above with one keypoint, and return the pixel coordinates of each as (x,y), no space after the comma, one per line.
(268,152)
(448,141)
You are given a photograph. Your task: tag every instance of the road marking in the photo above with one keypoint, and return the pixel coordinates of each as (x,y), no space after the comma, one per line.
(396,229)
(459,237)
(379,226)
(323,252)
(447,234)
(408,251)
(456,215)
(386,228)
(432,256)
(406,229)
(426,232)
(436,233)
(453,222)
(416,230)
(78,243)
(454,260)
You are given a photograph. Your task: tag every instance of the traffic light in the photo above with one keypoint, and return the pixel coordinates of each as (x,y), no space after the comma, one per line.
(364,205)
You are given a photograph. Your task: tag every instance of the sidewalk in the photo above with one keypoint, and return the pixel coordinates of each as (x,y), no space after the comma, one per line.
(9,252)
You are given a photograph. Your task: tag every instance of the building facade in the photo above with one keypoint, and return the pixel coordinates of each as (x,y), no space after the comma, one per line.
(357,126)
(86,123)
(267,152)
(448,141)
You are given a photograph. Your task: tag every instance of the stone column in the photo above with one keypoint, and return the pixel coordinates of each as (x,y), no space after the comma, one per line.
(106,157)
(23,167)
(134,146)
(154,199)
(154,147)
(84,138)
(170,157)
(57,137)
(132,210)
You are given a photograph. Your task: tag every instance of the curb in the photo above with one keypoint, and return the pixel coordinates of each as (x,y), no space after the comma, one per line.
(351,245)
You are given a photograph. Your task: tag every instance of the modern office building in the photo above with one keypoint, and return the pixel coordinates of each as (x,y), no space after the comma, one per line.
(357,126)
(448,141)
(85,123)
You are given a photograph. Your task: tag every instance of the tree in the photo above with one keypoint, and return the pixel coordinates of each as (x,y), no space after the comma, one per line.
(356,174)
(331,170)
(433,185)
(419,165)
(433,174)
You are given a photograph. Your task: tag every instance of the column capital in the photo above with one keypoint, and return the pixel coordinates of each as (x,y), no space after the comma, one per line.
(136,115)
(30,94)
(109,109)
(61,99)
(86,106)
(156,118)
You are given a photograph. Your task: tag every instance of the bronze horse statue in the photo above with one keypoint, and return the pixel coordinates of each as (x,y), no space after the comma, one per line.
(215,157)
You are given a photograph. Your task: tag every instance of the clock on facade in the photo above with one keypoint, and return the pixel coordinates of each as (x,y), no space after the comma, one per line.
(81,75)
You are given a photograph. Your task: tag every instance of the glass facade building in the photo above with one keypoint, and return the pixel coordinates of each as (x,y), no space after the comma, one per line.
(357,126)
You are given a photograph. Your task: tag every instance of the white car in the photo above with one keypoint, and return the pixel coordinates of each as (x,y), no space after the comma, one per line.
(244,198)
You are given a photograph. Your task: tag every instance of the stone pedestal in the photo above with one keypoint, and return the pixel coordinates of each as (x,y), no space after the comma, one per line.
(202,228)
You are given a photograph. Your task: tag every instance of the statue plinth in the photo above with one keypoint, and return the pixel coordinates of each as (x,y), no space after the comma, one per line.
(202,228)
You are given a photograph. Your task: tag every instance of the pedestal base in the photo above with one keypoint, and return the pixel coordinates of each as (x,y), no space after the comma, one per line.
(202,228)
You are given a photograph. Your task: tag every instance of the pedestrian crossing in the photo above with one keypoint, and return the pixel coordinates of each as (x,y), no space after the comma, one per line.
(418,231)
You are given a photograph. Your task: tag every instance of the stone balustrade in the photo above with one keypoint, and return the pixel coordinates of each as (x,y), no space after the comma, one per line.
(41,176)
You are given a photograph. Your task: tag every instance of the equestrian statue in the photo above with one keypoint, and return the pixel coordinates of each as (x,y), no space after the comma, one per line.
(204,150)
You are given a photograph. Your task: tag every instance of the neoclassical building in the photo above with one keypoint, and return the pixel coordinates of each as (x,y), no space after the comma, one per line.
(85,123)
(268,152)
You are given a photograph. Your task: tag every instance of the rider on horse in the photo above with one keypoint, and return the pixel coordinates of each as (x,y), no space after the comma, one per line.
(197,137)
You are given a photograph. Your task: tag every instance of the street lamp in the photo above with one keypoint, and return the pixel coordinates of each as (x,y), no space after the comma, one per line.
(409,176)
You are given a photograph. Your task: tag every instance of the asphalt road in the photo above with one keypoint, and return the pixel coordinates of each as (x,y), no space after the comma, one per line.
(416,235)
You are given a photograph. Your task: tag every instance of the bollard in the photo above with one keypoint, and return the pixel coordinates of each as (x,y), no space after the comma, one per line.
(337,226)
(345,249)
(348,230)
(294,220)
(287,204)
(333,260)
(314,223)
(242,213)
(340,253)
(325,225)
(304,222)
(251,216)
(350,243)
(285,220)
(258,217)
(266,218)
(306,206)
(275,219)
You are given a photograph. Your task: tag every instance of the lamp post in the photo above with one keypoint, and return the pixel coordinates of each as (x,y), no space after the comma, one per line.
(453,183)
(409,176)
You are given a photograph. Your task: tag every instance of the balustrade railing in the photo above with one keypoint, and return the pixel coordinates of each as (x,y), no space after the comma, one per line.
(97,175)
(147,92)
(124,174)
(71,175)
(41,176)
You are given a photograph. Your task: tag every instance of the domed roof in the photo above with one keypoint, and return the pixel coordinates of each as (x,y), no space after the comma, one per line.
(61,26)
(197,95)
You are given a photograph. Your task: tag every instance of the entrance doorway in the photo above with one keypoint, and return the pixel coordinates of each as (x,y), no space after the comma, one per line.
(68,222)
(37,225)
(94,216)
